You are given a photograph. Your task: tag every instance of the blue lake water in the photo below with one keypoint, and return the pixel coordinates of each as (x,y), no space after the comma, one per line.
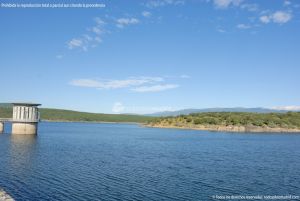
(82,161)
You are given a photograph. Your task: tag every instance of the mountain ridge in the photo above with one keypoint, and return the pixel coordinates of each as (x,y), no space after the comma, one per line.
(234,109)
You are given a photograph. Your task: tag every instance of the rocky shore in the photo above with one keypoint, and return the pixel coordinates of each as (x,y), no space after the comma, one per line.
(221,128)
(4,196)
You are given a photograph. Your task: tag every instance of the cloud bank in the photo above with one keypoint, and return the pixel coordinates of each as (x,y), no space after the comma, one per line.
(136,84)
(279,17)
(287,108)
(161,3)
(155,88)
(122,22)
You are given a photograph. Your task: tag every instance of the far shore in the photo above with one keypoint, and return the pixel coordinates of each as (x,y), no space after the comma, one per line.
(214,128)
(95,122)
(234,129)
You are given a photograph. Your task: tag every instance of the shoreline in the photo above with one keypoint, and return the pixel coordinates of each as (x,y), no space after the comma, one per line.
(213,128)
(95,122)
(232,129)
(5,196)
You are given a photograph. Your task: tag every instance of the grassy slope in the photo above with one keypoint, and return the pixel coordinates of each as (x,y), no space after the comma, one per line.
(290,120)
(68,115)
(5,112)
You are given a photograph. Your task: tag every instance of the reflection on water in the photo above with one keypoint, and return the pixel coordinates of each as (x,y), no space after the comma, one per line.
(23,140)
(22,151)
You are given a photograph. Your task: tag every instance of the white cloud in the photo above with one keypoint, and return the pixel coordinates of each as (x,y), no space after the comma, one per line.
(97,30)
(84,42)
(136,84)
(99,21)
(146,14)
(265,19)
(279,17)
(86,83)
(118,107)
(160,3)
(115,84)
(250,7)
(75,43)
(88,40)
(243,26)
(226,3)
(121,22)
(288,108)
(155,88)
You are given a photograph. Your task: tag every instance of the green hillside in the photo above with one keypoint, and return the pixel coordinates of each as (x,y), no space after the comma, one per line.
(5,112)
(69,115)
(215,120)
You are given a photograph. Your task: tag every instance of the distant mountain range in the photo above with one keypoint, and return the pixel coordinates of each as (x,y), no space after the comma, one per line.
(235,109)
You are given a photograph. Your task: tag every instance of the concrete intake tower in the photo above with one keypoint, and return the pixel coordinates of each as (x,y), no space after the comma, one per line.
(25,118)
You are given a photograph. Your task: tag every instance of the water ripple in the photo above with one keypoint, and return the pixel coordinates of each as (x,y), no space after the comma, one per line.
(126,162)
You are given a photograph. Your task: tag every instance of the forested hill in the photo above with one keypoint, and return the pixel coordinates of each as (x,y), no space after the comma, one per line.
(69,115)
(233,121)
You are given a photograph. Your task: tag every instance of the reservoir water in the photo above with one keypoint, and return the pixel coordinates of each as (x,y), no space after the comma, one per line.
(86,161)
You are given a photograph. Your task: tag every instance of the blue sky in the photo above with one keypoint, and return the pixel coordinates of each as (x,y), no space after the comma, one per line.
(149,56)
